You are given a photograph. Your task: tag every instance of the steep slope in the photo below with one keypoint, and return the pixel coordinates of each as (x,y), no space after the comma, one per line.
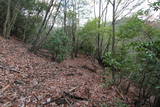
(29,80)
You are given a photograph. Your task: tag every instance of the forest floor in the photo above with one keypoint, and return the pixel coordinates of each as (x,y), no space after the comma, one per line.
(27,80)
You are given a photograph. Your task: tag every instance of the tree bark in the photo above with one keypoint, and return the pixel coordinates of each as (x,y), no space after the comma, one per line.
(65,16)
(40,42)
(6,23)
(98,36)
(33,48)
(113,35)
(10,21)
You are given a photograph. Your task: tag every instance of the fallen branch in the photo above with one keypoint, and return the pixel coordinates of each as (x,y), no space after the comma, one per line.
(74,97)
(121,95)
(62,99)
(9,68)
(90,69)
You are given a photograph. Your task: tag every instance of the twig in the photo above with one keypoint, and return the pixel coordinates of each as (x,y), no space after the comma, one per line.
(5,88)
(90,69)
(73,89)
(74,97)
(62,99)
(68,102)
(119,93)
(9,69)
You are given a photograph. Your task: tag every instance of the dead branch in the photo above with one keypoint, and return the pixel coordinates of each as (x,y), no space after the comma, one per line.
(62,100)
(88,68)
(9,68)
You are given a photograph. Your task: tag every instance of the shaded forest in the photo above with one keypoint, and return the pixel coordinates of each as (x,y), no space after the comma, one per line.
(79,53)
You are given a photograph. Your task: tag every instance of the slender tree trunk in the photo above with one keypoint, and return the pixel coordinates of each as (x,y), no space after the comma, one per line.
(6,23)
(74,28)
(40,42)
(65,16)
(10,21)
(34,44)
(98,36)
(50,29)
(13,20)
(107,45)
(157,102)
(73,42)
(113,37)
(77,37)
(95,9)
(113,28)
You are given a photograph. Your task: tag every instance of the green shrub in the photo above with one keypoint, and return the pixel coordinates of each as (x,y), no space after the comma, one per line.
(59,45)
(149,59)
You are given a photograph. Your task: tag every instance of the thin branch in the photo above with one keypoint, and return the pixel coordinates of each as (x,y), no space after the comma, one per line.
(95,9)
(110,2)
(119,13)
(105,9)
(118,5)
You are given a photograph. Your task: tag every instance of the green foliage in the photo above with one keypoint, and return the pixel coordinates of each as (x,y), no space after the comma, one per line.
(156,5)
(132,28)
(111,61)
(26,26)
(91,29)
(28,20)
(137,28)
(137,60)
(88,36)
(28,17)
(137,53)
(149,58)
(59,45)
(40,6)
(120,61)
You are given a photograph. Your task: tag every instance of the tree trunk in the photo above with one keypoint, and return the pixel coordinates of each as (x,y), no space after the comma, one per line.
(113,37)
(98,36)
(6,23)
(34,44)
(73,30)
(9,22)
(13,20)
(65,16)
(157,102)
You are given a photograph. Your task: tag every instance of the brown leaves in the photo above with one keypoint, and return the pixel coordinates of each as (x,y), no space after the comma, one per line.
(34,79)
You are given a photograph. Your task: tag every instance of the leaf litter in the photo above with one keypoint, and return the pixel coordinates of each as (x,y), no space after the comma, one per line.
(27,80)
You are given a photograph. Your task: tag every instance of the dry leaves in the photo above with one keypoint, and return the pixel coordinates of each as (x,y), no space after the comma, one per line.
(28,80)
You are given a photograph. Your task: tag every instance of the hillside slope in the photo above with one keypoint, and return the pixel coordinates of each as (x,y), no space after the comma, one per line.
(27,80)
